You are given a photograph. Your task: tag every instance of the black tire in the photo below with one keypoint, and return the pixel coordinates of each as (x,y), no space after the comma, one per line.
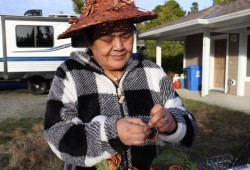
(38,87)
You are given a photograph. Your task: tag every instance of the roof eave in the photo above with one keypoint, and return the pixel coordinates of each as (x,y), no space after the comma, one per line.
(224,20)
(154,33)
(230,16)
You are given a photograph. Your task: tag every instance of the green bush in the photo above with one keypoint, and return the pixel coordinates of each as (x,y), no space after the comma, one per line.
(173,64)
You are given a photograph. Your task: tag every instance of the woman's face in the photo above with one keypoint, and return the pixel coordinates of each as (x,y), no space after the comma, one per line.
(113,50)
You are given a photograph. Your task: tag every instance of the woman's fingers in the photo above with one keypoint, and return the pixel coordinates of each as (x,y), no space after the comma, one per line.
(132,131)
(162,119)
(137,121)
(158,112)
(155,109)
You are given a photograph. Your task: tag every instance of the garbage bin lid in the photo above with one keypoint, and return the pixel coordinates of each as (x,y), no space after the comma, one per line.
(193,66)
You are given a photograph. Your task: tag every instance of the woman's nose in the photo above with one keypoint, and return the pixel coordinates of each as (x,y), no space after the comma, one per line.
(118,43)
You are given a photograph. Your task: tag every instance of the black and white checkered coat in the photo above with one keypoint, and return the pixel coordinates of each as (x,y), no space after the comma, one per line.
(83,107)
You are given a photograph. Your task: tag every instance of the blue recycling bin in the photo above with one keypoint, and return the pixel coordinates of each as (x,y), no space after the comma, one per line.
(194,77)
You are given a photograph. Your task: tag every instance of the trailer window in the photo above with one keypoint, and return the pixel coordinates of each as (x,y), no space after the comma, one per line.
(34,36)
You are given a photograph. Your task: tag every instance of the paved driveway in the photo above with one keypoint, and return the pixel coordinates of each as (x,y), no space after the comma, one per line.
(20,103)
(229,101)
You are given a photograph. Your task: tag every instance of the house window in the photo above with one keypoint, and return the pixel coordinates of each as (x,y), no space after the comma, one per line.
(34,36)
(248,56)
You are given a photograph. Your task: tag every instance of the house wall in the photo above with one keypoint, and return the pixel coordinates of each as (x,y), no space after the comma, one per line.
(194,49)
(233,56)
(247,87)
(194,57)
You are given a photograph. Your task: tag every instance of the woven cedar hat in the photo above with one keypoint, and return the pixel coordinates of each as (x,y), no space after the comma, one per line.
(105,11)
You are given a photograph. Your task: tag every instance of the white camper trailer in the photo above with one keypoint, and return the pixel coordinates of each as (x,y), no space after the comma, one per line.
(29,49)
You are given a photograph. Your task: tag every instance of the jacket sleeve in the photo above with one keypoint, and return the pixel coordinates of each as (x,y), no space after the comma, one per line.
(185,133)
(75,142)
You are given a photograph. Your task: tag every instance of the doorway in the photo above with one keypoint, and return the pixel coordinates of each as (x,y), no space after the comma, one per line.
(220,52)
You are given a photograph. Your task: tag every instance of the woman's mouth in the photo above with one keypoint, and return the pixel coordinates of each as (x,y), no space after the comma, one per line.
(118,57)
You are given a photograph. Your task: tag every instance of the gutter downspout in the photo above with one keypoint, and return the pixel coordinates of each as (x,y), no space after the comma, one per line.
(242,63)
(205,62)
(185,54)
(158,52)
(135,44)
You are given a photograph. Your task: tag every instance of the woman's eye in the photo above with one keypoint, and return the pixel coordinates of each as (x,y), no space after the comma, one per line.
(127,36)
(106,38)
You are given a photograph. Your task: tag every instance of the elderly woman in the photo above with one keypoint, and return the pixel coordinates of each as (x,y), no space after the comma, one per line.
(109,103)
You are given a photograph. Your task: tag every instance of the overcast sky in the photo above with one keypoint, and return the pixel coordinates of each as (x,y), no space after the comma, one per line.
(19,7)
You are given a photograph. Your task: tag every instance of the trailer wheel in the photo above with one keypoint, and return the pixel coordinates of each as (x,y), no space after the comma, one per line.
(38,87)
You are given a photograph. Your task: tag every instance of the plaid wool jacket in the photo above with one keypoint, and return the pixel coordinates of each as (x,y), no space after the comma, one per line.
(83,107)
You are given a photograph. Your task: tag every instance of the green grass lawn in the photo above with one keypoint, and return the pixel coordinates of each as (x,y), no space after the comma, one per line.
(220,131)
(22,146)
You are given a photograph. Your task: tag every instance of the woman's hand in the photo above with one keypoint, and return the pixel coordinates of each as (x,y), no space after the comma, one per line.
(132,131)
(162,119)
